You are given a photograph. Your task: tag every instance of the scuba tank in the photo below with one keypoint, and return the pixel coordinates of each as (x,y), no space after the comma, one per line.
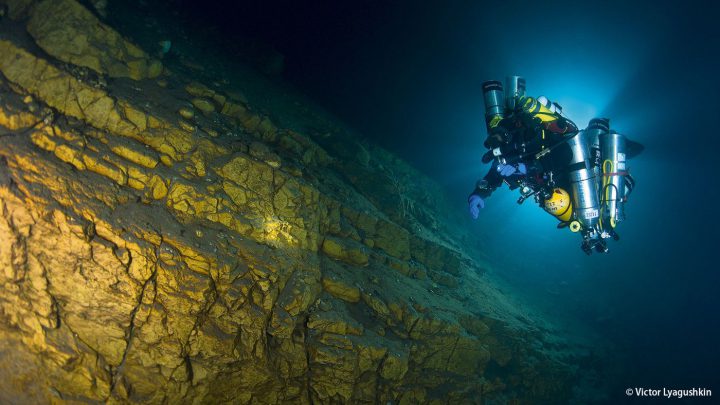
(559,205)
(498,137)
(493,97)
(515,87)
(583,183)
(614,171)
(596,127)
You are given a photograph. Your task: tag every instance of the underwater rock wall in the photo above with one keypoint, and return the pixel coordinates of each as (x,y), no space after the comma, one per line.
(162,241)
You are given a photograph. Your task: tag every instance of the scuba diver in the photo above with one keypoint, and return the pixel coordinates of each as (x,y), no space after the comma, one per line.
(578,176)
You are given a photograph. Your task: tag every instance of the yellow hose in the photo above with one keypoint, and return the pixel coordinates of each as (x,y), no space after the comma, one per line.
(606,189)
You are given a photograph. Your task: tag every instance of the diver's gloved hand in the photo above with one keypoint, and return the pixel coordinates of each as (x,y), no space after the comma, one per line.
(476,202)
(509,170)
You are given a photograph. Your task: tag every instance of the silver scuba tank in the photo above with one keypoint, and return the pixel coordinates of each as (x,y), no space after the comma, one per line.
(583,182)
(596,127)
(614,170)
(493,96)
(515,88)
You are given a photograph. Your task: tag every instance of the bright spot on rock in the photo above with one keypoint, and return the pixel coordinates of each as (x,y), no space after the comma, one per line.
(278,231)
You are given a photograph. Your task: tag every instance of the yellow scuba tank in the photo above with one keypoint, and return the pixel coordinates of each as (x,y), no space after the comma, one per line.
(536,109)
(559,205)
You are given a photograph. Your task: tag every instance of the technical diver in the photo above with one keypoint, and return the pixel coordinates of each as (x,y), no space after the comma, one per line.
(579,176)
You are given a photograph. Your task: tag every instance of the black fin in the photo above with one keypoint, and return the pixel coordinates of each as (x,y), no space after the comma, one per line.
(633,148)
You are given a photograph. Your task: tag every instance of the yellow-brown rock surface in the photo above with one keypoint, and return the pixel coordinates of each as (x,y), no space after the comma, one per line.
(144,261)
(71,33)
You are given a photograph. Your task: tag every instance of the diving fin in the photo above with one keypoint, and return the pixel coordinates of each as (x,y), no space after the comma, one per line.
(633,148)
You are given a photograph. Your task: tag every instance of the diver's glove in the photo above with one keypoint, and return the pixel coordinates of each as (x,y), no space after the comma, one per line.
(476,202)
(509,170)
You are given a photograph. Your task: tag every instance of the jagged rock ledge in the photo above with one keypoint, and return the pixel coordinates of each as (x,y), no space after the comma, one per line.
(163,241)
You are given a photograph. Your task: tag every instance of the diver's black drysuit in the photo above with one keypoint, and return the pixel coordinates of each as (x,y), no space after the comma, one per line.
(519,138)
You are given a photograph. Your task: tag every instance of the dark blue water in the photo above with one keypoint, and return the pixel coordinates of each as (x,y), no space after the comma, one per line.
(408,75)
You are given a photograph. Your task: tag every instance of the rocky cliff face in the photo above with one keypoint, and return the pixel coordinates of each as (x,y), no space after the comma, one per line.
(164,240)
